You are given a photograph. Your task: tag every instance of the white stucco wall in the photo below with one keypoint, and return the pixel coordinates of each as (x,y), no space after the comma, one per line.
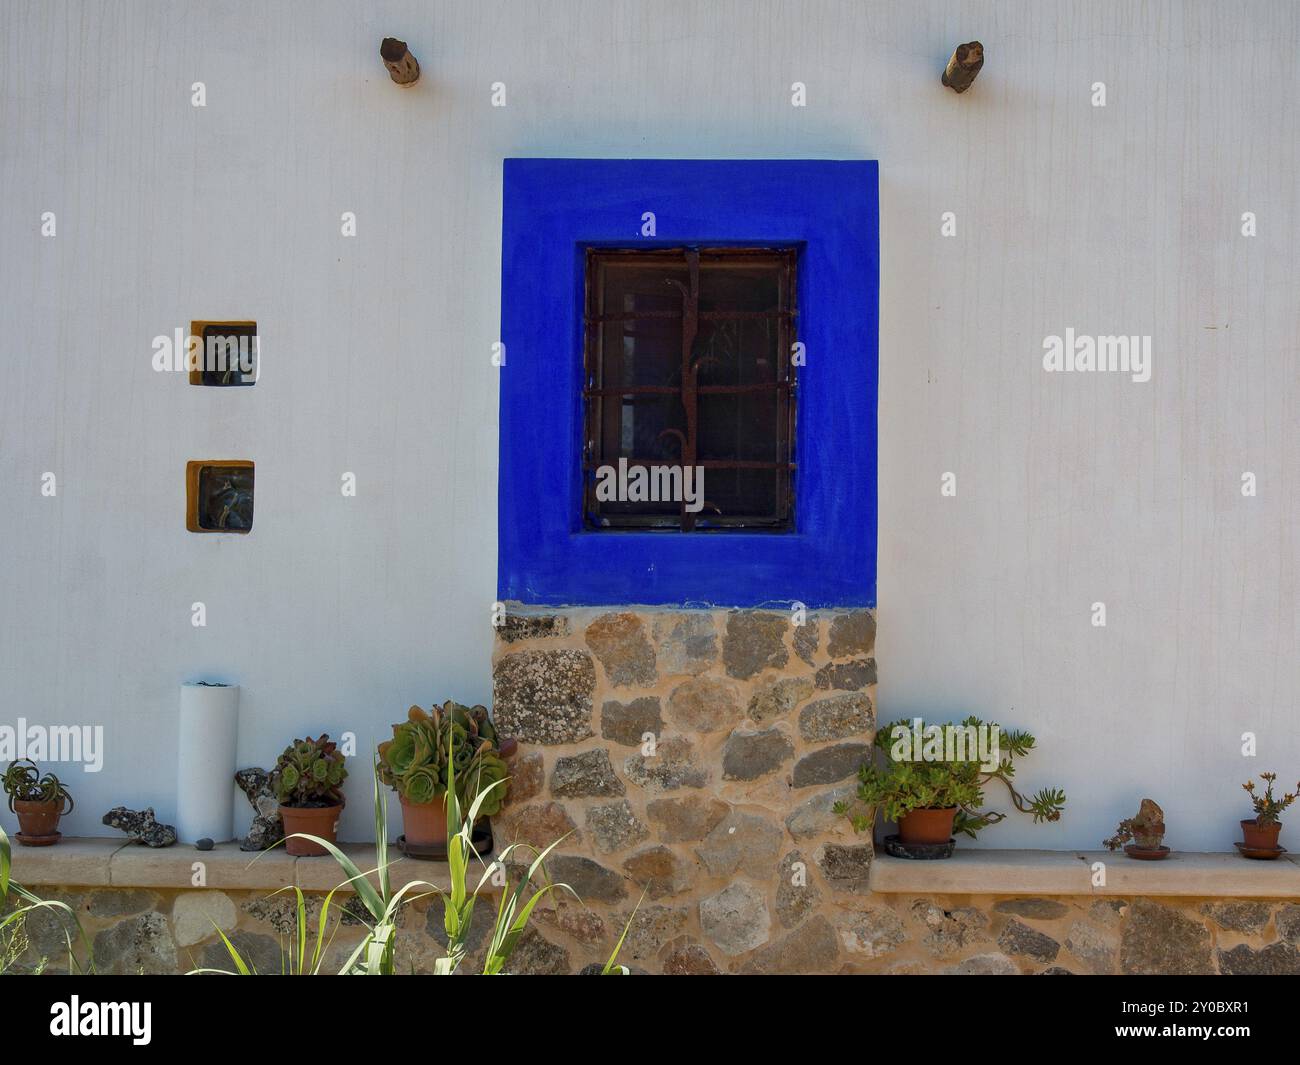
(338,613)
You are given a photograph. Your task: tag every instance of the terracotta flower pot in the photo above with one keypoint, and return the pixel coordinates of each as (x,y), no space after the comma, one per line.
(1261,837)
(322,821)
(424,823)
(927,826)
(38,819)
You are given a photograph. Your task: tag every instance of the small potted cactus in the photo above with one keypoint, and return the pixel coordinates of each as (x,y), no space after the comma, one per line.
(414,763)
(38,801)
(308,781)
(1262,830)
(1142,837)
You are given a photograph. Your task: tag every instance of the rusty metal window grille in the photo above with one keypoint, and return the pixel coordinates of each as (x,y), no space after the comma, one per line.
(687,363)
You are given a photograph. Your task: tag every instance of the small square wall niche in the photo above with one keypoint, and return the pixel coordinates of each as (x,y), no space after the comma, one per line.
(226,355)
(219,496)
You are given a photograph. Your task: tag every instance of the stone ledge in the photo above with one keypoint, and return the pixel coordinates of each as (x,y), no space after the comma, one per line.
(70,861)
(1033,872)
(112,863)
(93,862)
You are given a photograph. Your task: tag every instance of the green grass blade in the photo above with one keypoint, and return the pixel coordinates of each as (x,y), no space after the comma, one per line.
(301,941)
(381,831)
(5,864)
(359,881)
(241,966)
(608,970)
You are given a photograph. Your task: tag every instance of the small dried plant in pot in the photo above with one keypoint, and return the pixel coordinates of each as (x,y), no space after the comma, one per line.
(1262,830)
(308,780)
(38,801)
(1143,834)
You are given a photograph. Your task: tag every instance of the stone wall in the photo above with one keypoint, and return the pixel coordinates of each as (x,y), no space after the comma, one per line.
(138,930)
(693,756)
(166,931)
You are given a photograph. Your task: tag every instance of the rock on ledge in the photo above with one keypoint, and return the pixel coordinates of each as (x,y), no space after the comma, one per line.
(141,826)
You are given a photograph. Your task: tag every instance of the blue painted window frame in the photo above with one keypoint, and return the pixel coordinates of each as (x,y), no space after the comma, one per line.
(553,210)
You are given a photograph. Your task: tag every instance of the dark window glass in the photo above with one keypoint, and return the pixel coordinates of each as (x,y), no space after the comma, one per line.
(227,355)
(688,368)
(224,499)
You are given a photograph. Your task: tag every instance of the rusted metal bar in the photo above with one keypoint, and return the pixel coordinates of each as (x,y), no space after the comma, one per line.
(690,329)
(704,390)
(708,464)
(705,316)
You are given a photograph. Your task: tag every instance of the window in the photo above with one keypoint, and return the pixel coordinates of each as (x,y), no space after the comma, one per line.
(689,382)
(226,355)
(219,496)
(790,473)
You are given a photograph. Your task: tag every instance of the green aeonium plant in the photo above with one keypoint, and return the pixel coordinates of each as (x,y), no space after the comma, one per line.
(448,742)
(23,782)
(923,775)
(1268,810)
(310,772)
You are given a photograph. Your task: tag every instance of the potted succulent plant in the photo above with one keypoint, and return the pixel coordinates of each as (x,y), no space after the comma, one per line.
(414,763)
(1261,831)
(308,781)
(1142,837)
(932,786)
(39,801)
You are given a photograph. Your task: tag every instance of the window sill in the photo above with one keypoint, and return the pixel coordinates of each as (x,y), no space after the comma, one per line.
(93,862)
(1033,872)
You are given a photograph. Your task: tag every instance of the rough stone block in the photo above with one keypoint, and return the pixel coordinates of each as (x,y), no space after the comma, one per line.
(852,634)
(755,641)
(688,643)
(797,895)
(830,765)
(1019,939)
(620,642)
(744,843)
(836,717)
(704,704)
(672,766)
(687,819)
(196,915)
(811,948)
(660,871)
(1160,940)
(588,773)
(614,827)
(736,919)
(544,696)
(628,723)
(749,755)
(847,676)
